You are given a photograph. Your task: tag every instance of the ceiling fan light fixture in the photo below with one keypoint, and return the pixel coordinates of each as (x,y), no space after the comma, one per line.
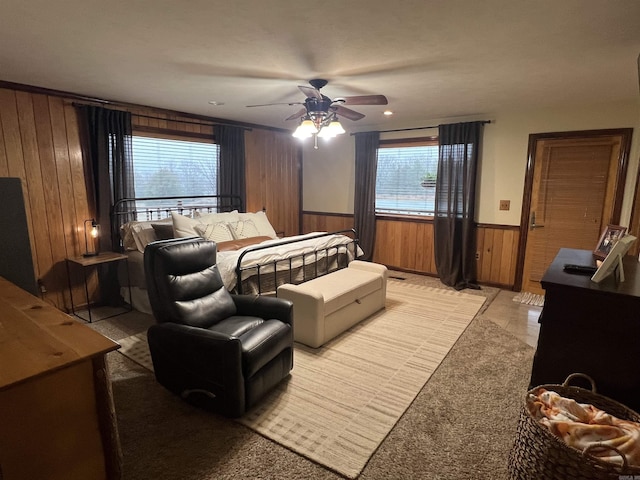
(336,127)
(326,132)
(301,133)
(305,129)
(332,129)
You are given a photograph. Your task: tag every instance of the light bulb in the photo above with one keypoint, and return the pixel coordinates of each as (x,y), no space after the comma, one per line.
(336,128)
(326,132)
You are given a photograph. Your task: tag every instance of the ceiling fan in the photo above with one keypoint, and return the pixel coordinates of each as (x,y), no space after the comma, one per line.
(320,112)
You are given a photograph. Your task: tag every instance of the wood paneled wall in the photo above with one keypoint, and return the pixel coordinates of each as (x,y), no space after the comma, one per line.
(497,254)
(407,244)
(326,222)
(40,144)
(274,178)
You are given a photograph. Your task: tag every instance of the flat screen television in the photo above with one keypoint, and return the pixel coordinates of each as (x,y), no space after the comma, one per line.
(613,261)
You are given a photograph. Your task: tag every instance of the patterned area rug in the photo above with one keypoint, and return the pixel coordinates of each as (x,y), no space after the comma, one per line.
(342,399)
(136,348)
(529,298)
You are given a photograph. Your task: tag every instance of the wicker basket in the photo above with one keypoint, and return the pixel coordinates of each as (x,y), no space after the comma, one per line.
(538,454)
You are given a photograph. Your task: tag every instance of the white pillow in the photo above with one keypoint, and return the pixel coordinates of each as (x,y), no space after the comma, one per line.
(216,232)
(184,226)
(261,222)
(218,217)
(142,235)
(244,229)
(136,235)
(128,242)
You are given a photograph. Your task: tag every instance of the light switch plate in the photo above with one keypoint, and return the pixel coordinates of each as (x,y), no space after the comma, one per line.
(505,204)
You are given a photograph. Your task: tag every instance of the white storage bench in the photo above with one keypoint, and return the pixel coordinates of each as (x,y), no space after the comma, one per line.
(326,306)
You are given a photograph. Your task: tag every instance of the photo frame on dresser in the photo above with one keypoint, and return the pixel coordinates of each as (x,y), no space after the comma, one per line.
(612,263)
(608,239)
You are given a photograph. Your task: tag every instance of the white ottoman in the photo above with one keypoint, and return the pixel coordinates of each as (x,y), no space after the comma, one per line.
(326,306)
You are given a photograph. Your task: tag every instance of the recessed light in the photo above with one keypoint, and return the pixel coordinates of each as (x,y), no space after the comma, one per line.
(214,103)
(388,113)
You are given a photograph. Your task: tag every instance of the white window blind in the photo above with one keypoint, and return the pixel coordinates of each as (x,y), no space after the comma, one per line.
(167,167)
(405,182)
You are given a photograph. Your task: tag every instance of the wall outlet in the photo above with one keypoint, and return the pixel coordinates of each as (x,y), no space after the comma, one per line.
(505,204)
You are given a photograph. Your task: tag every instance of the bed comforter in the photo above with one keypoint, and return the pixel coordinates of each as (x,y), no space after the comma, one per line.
(304,248)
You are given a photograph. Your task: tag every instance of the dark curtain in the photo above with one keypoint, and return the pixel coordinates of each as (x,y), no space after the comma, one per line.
(231,176)
(109,169)
(107,150)
(454,223)
(365,190)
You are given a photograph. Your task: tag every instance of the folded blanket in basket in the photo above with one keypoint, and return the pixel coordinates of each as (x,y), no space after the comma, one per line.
(581,425)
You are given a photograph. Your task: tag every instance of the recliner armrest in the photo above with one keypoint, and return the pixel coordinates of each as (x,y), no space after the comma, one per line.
(263,343)
(195,343)
(264,307)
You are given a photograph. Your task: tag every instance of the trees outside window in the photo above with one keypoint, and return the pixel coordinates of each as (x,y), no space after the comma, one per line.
(405,180)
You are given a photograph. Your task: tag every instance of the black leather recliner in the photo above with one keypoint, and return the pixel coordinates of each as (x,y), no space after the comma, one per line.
(217,350)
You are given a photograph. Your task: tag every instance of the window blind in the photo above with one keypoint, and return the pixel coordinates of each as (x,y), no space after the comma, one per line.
(405,180)
(167,167)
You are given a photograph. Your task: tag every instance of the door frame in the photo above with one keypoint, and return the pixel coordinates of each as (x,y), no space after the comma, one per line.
(534,138)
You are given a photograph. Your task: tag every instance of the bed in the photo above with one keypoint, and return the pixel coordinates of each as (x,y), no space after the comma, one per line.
(251,257)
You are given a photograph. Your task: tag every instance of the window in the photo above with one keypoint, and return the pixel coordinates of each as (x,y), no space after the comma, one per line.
(166,167)
(406,174)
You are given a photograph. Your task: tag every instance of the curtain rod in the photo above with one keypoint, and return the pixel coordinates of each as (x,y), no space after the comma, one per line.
(419,128)
(168,120)
(210,124)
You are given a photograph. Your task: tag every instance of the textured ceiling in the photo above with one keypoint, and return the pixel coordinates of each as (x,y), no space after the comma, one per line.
(432,59)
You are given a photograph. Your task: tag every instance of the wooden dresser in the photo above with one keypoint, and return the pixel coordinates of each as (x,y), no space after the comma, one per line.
(591,328)
(57,418)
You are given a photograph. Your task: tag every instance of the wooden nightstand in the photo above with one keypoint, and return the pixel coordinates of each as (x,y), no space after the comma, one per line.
(95,261)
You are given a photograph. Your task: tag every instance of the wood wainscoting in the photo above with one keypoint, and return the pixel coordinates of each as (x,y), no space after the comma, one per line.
(407,244)
(497,254)
(326,222)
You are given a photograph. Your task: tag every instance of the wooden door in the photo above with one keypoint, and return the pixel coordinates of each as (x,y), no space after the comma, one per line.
(574,189)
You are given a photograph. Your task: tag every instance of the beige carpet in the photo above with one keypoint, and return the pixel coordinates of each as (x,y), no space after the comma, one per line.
(343,399)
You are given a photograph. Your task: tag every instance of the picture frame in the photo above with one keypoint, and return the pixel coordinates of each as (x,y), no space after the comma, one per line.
(613,261)
(608,239)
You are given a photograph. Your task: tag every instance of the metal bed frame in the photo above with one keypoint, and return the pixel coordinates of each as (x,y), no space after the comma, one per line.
(128,209)
(166,205)
(318,262)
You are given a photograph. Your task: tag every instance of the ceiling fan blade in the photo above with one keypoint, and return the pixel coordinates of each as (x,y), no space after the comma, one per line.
(364,100)
(310,92)
(298,114)
(281,103)
(347,113)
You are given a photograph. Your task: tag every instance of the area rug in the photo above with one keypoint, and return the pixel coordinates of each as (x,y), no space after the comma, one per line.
(343,399)
(529,298)
(136,348)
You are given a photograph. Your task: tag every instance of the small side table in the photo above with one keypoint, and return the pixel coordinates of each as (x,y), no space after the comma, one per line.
(96,260)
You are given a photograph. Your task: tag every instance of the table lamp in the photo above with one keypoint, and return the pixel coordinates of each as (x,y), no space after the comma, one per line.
(93,230)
